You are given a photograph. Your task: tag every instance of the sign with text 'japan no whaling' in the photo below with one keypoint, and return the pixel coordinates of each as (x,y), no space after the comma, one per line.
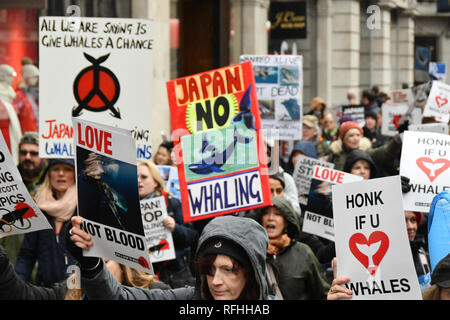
(221,159)
(97,69)
(372,246)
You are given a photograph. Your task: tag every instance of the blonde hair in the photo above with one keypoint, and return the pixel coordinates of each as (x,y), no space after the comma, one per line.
(155,174)
(137,278)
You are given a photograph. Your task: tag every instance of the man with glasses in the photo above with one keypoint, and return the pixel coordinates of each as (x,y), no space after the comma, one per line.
(31,166)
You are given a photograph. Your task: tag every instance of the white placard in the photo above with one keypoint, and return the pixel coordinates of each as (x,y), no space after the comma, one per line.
(438,102)
(430,127)
(18,212)
(425,161)
(97,69)
(319,225)
(279,87)
(392,114)
(107,193)
(158,238)
(372,246)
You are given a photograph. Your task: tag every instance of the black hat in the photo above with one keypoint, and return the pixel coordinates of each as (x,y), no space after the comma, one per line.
(52,162)
(216,245)
(441,273)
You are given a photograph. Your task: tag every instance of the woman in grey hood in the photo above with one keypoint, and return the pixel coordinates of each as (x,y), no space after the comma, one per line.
(231,258)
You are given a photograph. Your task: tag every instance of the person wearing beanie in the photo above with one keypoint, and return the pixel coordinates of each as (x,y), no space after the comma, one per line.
(57,199)
(360,163)
(26,101)
(440,281)
(302,147)
(351,138)
(230,258)
(9,122)
(372,130)
(295,266)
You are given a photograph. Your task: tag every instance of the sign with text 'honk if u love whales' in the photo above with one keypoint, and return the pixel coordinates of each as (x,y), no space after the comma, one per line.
(372,246)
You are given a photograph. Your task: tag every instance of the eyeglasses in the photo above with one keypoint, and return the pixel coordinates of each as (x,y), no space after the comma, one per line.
(32,153)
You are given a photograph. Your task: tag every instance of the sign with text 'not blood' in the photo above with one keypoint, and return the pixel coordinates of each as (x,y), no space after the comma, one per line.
(97,69)
(425,161)
(372,246)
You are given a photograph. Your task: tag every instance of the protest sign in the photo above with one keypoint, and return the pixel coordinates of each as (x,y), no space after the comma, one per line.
(356,112)
(18,212)
(392,114)
(438,105)
(303,173)
(221,159)
(97,69)
(319,210)
(425,161)
(437,71)
(158,238)
(279,87)
(430,127)
(402,96)
(108,197)
(170,177)
(372,246)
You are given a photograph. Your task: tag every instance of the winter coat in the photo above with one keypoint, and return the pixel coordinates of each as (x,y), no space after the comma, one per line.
(381,155)
(13,287)
(243,231)
(296,267)
(23,103)
(375,137)
(49,250)
(359,154)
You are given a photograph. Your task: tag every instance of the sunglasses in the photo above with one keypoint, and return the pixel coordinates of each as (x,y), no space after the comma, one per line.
(32,153)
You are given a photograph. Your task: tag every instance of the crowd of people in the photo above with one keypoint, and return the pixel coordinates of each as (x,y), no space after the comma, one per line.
(255,254)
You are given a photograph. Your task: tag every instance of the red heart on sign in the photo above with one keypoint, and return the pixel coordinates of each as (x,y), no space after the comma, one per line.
(376,236)
(429,166)
(396,119)
(441,101)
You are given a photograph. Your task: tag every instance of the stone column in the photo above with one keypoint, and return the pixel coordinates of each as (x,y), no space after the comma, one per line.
(324,49)
(253,31)
(405,55)
(345,49)
(159,12)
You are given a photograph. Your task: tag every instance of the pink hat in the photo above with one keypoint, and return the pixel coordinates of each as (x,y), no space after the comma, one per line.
(347,126)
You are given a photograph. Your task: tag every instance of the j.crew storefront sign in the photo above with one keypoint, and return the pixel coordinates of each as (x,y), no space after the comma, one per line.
(288,20)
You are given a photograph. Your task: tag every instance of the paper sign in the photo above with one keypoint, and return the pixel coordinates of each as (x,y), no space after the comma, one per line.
(303,173)
(356,112)
(392,114)
(218,142)
(108,197)
(159,238)
(170,177)
(279,86)
(319,210)
(438,105)
(95,69)
(402,96)
(18,212)
(425,161)
(430,127)
(372,246)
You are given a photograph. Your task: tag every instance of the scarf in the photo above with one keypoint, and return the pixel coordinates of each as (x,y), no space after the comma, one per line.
(276,244)
(60,209)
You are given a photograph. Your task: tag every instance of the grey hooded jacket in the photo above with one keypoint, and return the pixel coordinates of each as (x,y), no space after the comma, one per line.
(247,233)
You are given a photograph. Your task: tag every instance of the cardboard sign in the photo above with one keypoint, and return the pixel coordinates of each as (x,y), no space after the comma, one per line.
(392,114)
(319,209)
(108,79)
(159,239)
(221,159)
(425,161)
(279,86)
(402,96)
(108,196)
(430,127)
(303,172)
(18,212)
(356,112)
(438,102)
(372,246)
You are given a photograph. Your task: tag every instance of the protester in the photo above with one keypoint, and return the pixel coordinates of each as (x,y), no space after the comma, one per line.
(175,273)
(277,186)
(230,256)
(330,132)
(351,97)
(351,138)
(360,163)
(311,132)
(440,281)
(296,268)
(26,100)
(368,99)
(9,122)
(317,108)
(306,148)
(57,199)
(372,130)
(163,154)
